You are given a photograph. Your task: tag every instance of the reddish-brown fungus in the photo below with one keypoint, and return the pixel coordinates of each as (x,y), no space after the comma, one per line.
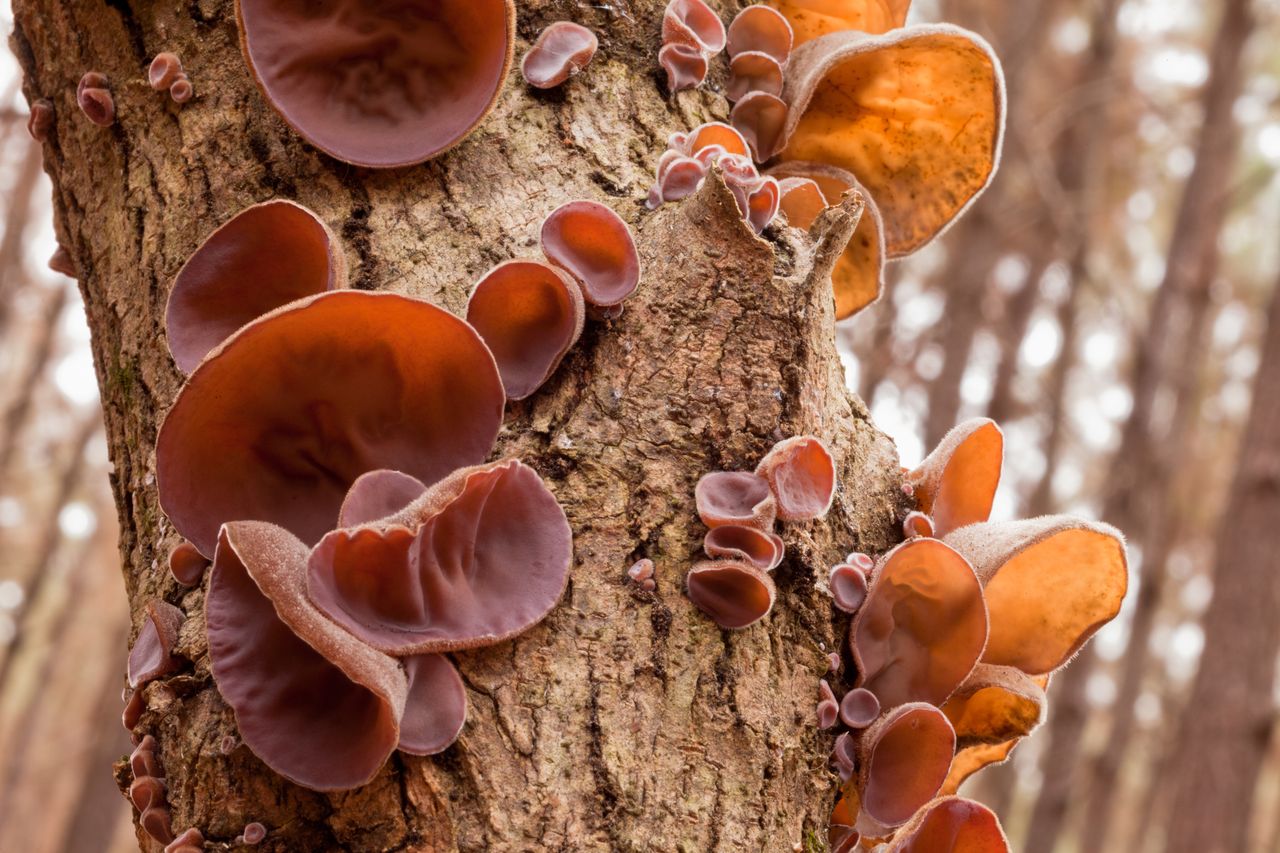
(40,122)
(686,66)
(922,627)
(845,756)
(861,561)
(146,791)
(828,707)
(760,29)
(801,201)
(761,549)
(762,203)
(716,133)
(561,51)
(760,118)
(156,823)
(142,761)
(436,707)
(956,484)
(951,825)
(641,571)
(151,655)
(735,497)
(530,314)
(378,494)
(133,708)
(190,841)
(693,23)
(833,661)
(848,587)
(753,71)
(303,401)
(996,704)
(181,89)
(375,84)
(594,245)
(254,833)
(733,594)
(903,762)
(479,557)
(265,256)
(98,105)
(859,708)
(164,69)
(187,564)
(61,262)
(801,476)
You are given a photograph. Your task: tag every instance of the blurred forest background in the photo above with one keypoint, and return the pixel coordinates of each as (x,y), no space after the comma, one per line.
(1106,302)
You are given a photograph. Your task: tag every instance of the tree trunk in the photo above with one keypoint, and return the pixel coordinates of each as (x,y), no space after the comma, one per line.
(1229,713)
(626,720)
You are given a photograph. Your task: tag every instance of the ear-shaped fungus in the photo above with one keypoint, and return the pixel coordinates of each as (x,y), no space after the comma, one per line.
(801,201)
(734,594)
(996,704)
(917,115)
(761,549)
(760,117)
(753,71)
(377,84)
(951,825)
(530,314)
(762,202)
(594,245)
(760,29)
(482,555)
(378,494)
(923,626)
(812,18)
(956,484)
(686,66)
(40,122)
(903,760)
(848,587)
(735,498)
(317,705)
(303,401)
(693,23)
(151,656)
(187,564)
(971,759)
(714,133)
(94,99)
(561,51)
(436,707)
(164,70)
(190,841)
(1050,584)
(828,707)
(858,277)
(859,708)
(802,477)
(265,256)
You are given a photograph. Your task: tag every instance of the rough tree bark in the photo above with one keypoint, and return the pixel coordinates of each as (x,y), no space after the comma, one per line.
(625,721)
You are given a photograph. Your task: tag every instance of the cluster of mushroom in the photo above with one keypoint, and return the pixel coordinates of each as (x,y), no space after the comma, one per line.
(954,635)
(690,157)
(166,74)
(795,481)
(94,99)
(355,531)
(562,50)
(692,33)
(759,45)
(149,796)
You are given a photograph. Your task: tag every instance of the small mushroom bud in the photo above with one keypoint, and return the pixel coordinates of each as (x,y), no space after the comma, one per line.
(917,524)
(91,80)
(680,179)
(641,571)
(753,72)
(40,122)
(61,262)
(190,841)
(228,744)
(828,708)
(762,204)
(133,708)
(738,542)
(802,477)
(156,822)
(862,562)
(833,662)
(686,66)
(98,105)
(848,587)
(146,791)
(142,761)
(165,68)
(760,28)
(254,833)
(859,708)
(693,23)
(187,564)
(181,90)
(592,243)
(843,756)
(735,498)
(151,654)
(733,594)
(562,50)
(760,117)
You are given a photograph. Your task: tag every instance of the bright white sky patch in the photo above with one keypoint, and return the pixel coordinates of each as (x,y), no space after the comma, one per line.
(1269,141)
(76,520)
(1043,341)
(75,377)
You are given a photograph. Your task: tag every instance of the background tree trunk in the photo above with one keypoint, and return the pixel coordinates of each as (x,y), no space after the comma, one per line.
(625,721)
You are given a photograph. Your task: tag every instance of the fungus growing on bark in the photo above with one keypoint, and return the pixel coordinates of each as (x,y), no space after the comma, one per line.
(693,23)
(760,29)
(374,380)
(265,256)
(951,825)
(592,243)
(802,477)
(156,823)
(712,133)
(530,314)
(254,833)
(760,548)
(760,117)
(762,203)
(1050,583)
(903,760)
(841,836)
(735,498)
(686,66)
(481,556)
(733,593)
(922,627)
(142,761)
(642,574)
(917,524)
(859,708)
(812,18)
(40,122)
(94,99)
(379,85)
(916,115)
(376,495)
(833,662)
(146,791)
(858,277)
(151,655)
(279,662)
(187,564)
(848,587)
(164,70)
(996,704)
(435,708)
(971,759)
(753,71)
(844,755)
(61,262)
(860,561)
(828,707)
(134,705)
(190,841)
(562,50)
(181,90)
(956,484)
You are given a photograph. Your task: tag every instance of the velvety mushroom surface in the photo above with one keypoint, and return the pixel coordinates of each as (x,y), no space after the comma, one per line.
(562,50)
(375,83)
(812,18)
(904,761)
(802,477)
(956,484)
(951,825)
(996,704)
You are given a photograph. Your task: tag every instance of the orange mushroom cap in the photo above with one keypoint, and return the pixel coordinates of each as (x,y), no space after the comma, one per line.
(302,401)
(801,201)
(714,133)
(802,477)
(693,23)
(996,704)
(562,50)
(903,760)
(761,119)
(812,18)
(377,84)
(917,115)
(951,825)
(733,593)
(753,71)
(530,314)
(760,29)
(592,243)
(1050,583)
(956,484)
(971,759)
(761,549)
(922,627)
(264,257)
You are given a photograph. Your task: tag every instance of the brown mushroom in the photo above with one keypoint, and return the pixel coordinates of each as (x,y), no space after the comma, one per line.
(922,627)
(734,594)
(686,66)
(812,18)
(859,708)
(375,84)
(264,257)
(592,243)
(761,549)
(530,314)
(760,117)
(956,484)
(802,477)
(848,586)
(181,89)
(828,707)
(40,122)
(61,262)
(996,704)
(94,99)
(156,822)
(951,825)
(146,791)
(737,498)
(971,759)
(562,50)
(378,494)
(254,833)
(190,841)
(693,23)
(187,564)
(753,71)
(1050,583)
(152,652)
(903,760)
(164,70)
(760,29)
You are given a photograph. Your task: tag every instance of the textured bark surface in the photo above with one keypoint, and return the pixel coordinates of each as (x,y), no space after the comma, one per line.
(626,721)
